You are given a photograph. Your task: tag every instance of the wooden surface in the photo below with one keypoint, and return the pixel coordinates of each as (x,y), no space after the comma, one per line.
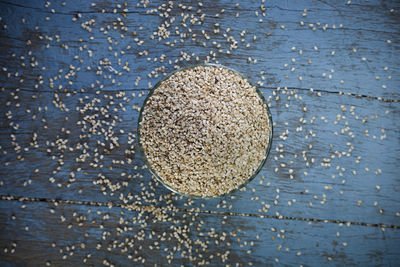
(75,192)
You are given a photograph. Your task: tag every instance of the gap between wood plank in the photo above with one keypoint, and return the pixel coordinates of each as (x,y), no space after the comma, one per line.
(268,88)
(144,208)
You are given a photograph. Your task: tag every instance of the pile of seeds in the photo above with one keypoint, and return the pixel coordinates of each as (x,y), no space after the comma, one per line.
(205,131)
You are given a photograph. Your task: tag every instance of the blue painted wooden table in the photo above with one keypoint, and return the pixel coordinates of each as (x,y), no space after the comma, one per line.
(74,191)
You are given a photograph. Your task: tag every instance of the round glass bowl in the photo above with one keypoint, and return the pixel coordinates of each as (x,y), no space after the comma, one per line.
(143,154)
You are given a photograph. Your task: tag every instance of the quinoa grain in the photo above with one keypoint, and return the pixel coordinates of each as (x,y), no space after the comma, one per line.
(205,131)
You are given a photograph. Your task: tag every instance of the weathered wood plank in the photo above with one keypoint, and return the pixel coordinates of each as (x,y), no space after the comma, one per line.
(78,231)
(372,23)
(327,183)
(348,172)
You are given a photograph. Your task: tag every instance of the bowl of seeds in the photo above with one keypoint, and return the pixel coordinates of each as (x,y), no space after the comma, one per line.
(204,131)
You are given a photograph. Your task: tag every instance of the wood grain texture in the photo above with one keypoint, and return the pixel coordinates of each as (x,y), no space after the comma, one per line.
(373,26)
(335,150)
(75,231)
(283,171)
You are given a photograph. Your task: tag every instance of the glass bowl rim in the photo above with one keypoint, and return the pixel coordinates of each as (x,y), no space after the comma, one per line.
(143,154)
